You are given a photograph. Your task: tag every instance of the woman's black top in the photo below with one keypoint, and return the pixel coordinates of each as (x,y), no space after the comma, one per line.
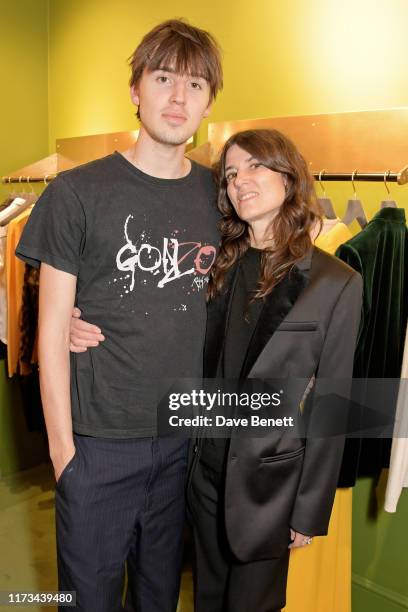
(243,317)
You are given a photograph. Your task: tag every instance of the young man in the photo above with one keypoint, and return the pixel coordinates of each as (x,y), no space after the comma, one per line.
(129,240)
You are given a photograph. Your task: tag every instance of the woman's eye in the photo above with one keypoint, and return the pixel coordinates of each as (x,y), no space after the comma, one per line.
(163,79)
(195,85)
(255,165)
(230,176)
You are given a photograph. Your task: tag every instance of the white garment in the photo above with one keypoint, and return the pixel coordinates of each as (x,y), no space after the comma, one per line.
(12,211)
(398,472)
(3,285)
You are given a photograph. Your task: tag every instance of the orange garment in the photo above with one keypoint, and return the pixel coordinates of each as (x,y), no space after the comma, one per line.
(15,280)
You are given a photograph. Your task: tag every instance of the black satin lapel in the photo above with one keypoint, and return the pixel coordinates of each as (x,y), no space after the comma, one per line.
(277,306)
(217,319)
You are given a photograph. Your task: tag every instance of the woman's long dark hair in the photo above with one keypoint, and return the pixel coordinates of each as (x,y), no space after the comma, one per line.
(290,228)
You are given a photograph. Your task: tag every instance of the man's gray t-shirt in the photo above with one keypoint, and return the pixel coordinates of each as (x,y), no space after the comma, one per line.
(141,248)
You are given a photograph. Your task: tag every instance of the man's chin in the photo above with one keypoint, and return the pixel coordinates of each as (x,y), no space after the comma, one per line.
(171,137)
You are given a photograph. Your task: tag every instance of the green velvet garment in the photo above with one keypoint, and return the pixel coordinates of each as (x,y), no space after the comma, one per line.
(380,254)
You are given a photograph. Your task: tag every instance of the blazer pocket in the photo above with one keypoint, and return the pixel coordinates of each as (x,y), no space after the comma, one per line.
(297,326)
(283,457)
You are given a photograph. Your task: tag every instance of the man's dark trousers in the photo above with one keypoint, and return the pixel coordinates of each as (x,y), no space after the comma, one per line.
(118,501)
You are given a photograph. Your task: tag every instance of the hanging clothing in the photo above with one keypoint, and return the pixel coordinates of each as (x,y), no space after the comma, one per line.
(398,474)
(336,234)
(328,224)
(29,316)
(6,203)
(15,280)
(324,569)
(14,209)
(319,578)
(3,285)
(380,253)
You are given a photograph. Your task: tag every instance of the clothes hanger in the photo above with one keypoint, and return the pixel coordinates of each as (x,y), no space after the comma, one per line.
(13,192)
(355,208)
(19,204)
(8,200)
(16,194)
(388,203)
(22,193)
(31,196)
(325,203)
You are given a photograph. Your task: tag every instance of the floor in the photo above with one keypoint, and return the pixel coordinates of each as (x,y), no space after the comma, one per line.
(27,538)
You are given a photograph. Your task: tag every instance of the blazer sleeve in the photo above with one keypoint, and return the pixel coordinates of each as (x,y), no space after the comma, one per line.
(323,456)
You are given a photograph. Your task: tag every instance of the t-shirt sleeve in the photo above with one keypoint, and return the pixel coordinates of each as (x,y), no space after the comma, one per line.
(55,231)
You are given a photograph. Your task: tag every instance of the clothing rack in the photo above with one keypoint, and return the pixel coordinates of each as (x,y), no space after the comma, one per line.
(373,177)
(28,179)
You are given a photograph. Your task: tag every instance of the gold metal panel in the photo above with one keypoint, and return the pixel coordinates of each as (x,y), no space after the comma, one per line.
(201,154)
(45,167)
(72,152)
(83,149)
(368,141)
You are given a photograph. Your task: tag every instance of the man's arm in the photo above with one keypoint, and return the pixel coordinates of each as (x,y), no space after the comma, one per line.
(57,297)
(82,334)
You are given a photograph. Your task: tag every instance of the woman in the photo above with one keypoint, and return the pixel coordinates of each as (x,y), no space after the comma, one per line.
(278,308)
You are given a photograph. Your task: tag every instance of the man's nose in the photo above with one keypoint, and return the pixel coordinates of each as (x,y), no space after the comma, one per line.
(178,93)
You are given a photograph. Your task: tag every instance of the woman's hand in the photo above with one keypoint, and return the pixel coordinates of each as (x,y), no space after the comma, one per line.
(83,335)
(299,539)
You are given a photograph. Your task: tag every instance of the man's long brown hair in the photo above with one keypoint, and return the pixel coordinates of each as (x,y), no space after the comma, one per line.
(185,48)
(290,229)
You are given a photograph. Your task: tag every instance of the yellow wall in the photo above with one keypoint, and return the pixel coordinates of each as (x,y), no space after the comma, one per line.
(24,82)
(280,58)
(23,139)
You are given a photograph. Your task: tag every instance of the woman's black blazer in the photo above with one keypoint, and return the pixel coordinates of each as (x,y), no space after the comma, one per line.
(308,327)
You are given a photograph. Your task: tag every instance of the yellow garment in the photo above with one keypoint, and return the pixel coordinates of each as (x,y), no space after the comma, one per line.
(331,240)
(319,577)
(15,280)
(328,224)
